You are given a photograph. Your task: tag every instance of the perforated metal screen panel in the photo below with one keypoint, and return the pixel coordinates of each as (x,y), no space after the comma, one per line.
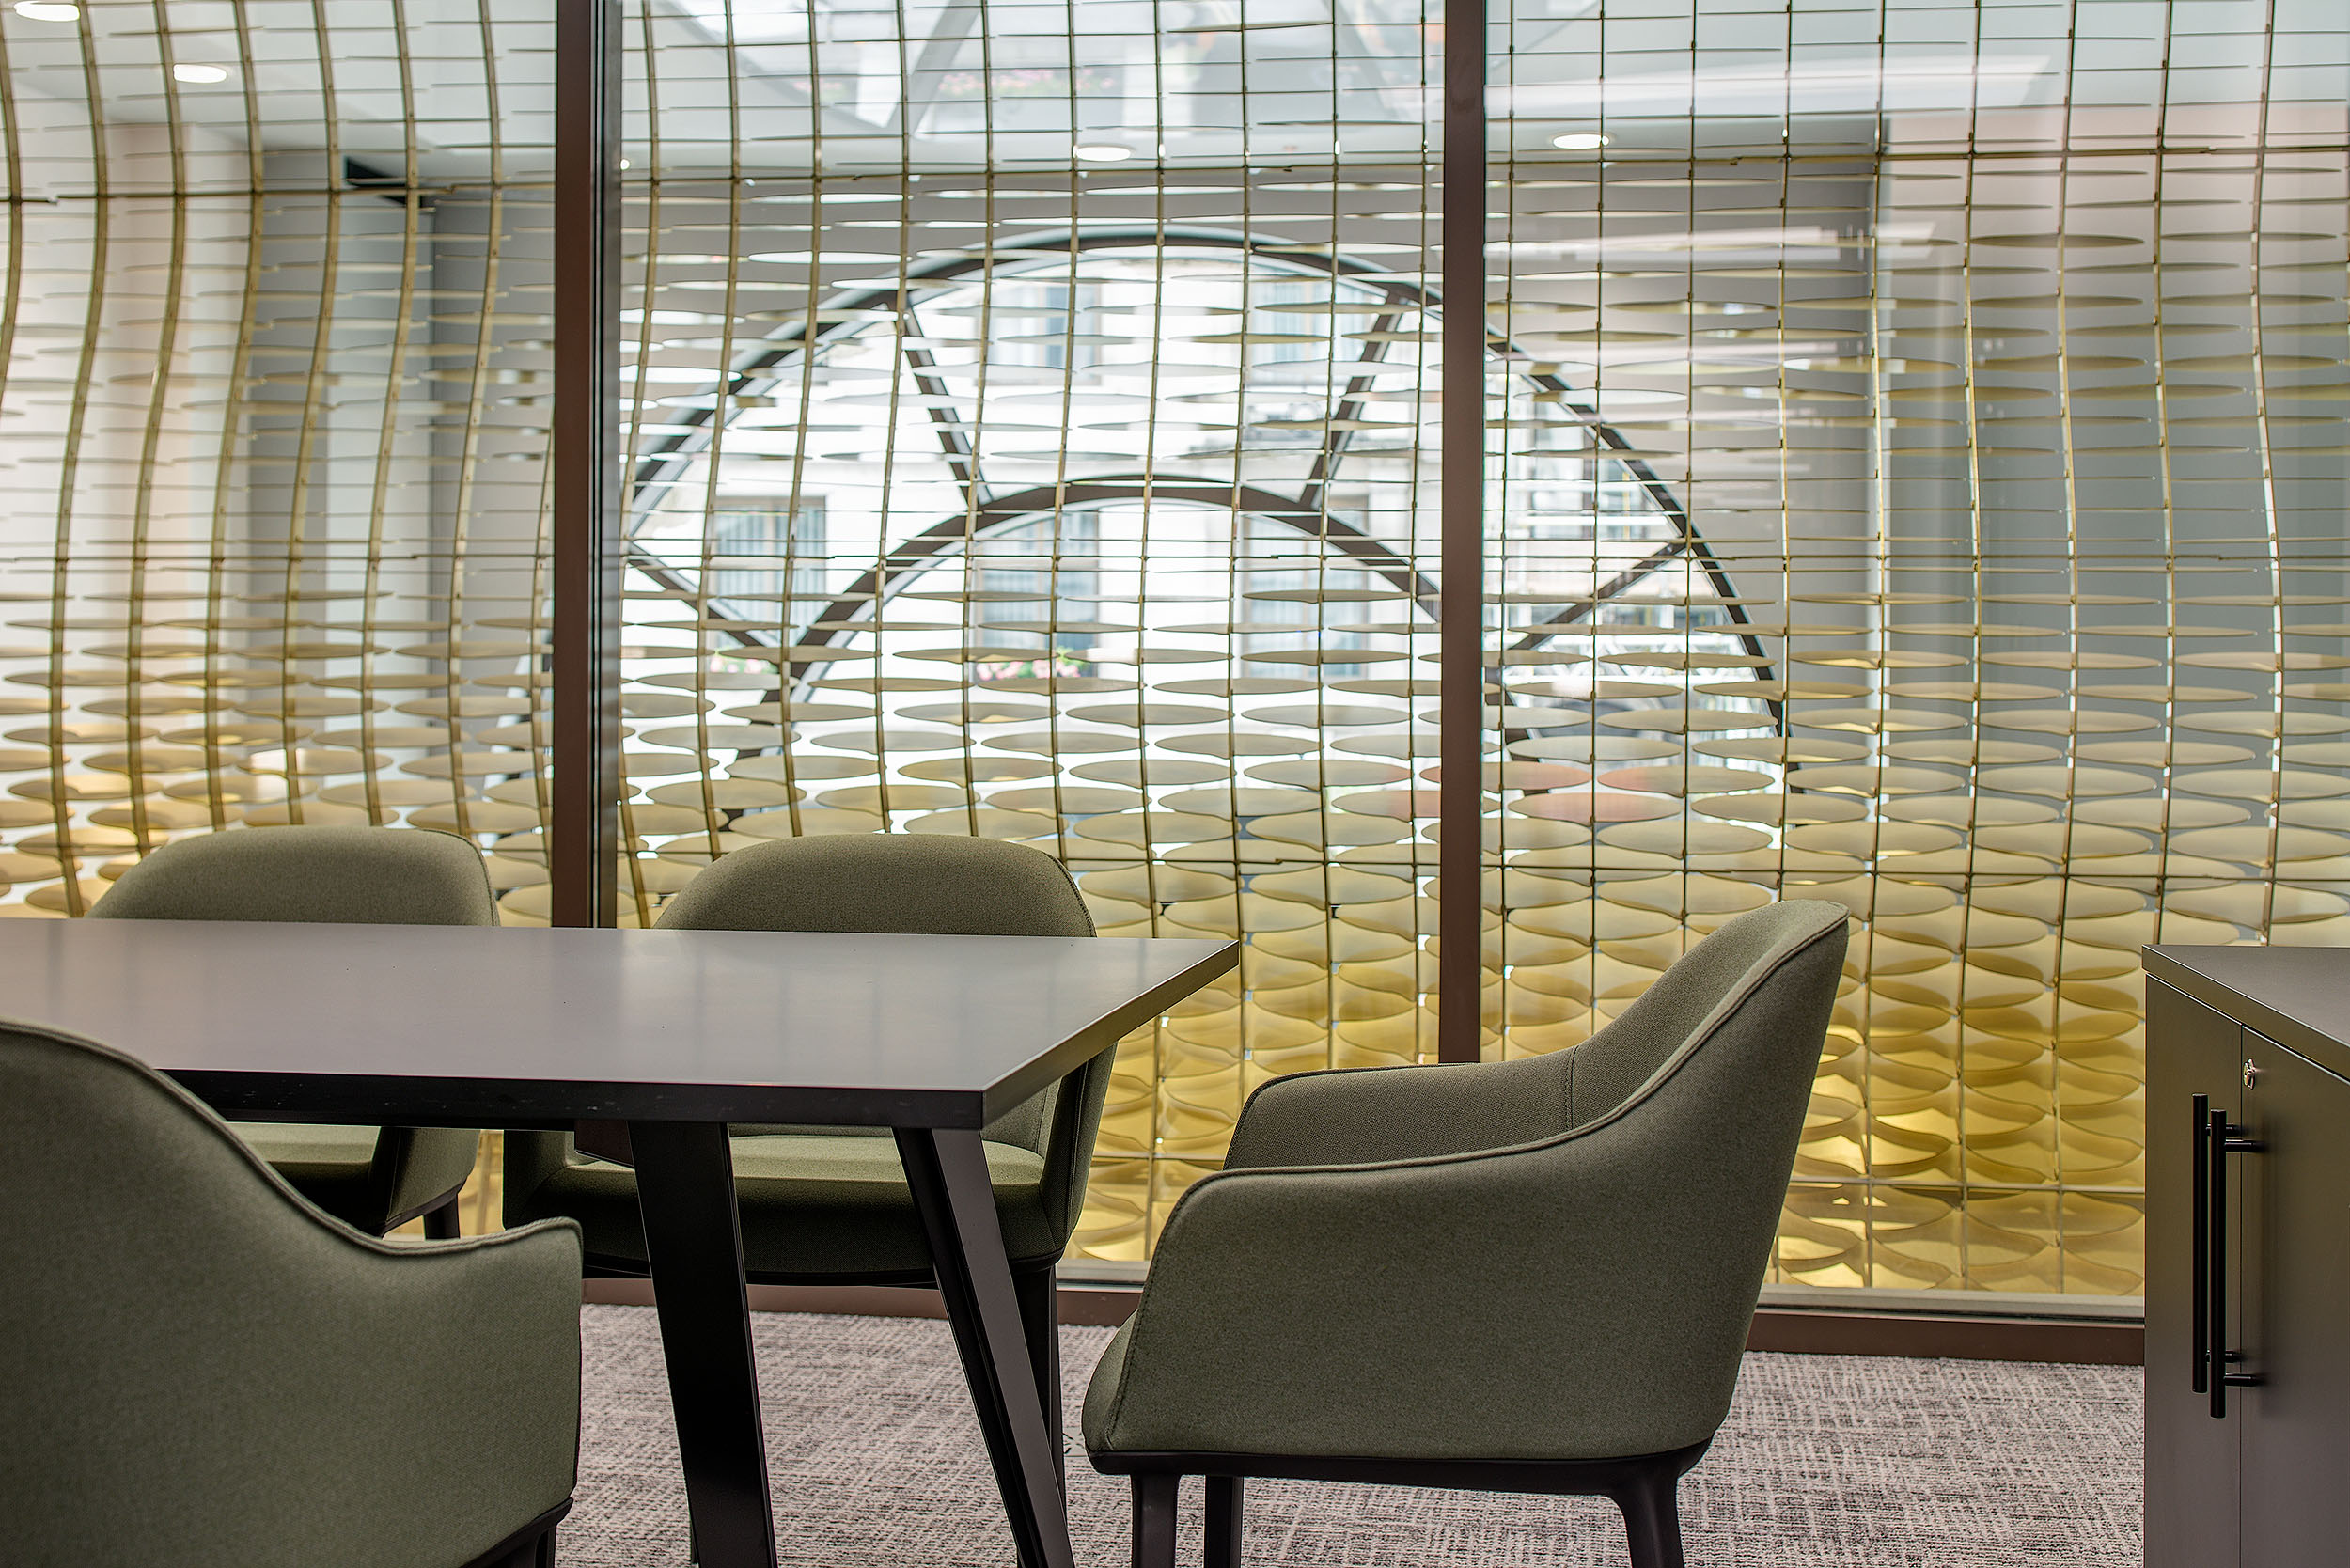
(1916,478)
(272,470)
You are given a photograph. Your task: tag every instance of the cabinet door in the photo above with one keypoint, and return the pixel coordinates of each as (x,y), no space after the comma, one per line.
(2191,1484)
(2296,1282)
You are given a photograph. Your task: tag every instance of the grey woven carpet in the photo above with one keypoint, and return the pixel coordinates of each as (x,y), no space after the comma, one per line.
(1842,1461)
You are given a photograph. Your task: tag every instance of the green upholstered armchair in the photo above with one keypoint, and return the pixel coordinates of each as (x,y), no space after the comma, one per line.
(830,1205)
(1519,1275)
(374,1178)
(202,1370)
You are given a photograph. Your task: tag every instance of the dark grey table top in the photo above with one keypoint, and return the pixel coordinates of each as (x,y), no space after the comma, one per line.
(493,1027)
(2297,997)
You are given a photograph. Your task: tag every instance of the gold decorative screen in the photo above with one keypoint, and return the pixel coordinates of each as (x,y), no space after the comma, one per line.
(2006,392)
(1916,478)
(272,454)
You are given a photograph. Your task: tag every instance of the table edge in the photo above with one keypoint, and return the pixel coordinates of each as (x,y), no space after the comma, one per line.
(358,1099)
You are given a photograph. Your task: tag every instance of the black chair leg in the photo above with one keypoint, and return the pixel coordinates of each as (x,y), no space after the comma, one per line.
(537,1551)
(1224,1505)
(1652,1519)
(1154,1520)
(1039,1289)
(441,1224)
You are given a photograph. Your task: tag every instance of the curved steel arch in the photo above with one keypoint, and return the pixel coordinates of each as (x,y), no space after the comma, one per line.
(920,550)
(1305,513)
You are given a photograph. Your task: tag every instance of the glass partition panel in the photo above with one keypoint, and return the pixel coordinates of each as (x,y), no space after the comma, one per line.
(275,309)
(1997,356)
(1034,438)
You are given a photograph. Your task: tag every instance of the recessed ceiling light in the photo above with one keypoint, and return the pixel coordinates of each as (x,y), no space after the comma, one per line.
(200,74)
(1103,152)
(48,11)
(1579,141)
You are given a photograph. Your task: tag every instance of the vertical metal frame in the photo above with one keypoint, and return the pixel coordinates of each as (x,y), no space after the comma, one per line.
(583,830)
(1461,637)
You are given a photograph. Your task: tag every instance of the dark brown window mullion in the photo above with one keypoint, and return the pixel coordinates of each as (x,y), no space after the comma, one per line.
(584,830)
(1461,638)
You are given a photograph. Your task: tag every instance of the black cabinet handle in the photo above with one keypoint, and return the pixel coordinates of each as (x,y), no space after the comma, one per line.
(2200,1343)
(2220,1139)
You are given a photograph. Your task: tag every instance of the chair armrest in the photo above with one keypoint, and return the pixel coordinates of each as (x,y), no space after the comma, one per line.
(469,1351)
(297,1381)
(1392,1113)
(203,1368)
(415,1165)
(1069,1138)
(447,1369)
(1566,1299)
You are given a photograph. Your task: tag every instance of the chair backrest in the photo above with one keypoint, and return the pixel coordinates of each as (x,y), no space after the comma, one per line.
(936,884)
(389,876)
(1683,1120)
(199,1368)
(1699,996)
(920,883)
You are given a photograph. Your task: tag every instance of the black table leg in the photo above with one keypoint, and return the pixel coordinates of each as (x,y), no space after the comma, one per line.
(948,1172)
(694,1242)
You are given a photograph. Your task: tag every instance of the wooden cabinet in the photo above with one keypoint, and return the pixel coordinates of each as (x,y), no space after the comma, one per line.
(2191,1051)
(2248,1258)
(2294,1328)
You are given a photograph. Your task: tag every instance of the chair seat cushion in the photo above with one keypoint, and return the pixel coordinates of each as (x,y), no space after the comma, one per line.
(814,1207)
(331,1166)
